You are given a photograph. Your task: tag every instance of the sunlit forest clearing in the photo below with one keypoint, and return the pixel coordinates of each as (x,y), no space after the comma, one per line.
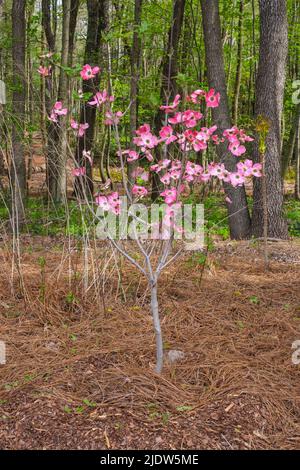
(149,224)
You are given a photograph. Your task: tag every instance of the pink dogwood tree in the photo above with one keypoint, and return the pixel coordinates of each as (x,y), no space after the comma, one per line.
(180,138)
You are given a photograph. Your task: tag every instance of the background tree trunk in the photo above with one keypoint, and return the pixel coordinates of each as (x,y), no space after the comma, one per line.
(169,72)
(50,93)
(289,147)
(59,188)
(238,75)
(239,218)
(135,61)
(96,25)
(18,167)
(72,29)
(269,101)
(297,159)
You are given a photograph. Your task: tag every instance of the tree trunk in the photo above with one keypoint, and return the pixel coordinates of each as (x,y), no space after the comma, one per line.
(83,186)
(157,327)
(288,147)
(18,167)
(73,23)
(269,102)
(169,72)
(170,60)
(238,75)
(297,154)
(239,218)
(52,136)
(135,60)
(59,189)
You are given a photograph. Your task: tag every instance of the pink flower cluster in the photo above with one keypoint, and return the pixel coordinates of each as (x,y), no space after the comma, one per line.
(212,98)
(110,203)
(182,132)
(44,71)
(100,98)
(80,128)
(236,137)
(80,171)
(57,110)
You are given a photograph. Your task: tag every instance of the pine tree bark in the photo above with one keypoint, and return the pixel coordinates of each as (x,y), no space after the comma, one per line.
(96,24)
(170,60)
(169,72)
(239,218)
(269,103)
(135,60)
(18,166)
(52,135)
(59,189)
(238,75)
(72,29)
(297,160)
(288,147)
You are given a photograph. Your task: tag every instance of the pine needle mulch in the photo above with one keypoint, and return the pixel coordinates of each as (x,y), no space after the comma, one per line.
(79,371)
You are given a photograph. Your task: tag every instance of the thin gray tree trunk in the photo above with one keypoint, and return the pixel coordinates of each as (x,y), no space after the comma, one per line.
(157,327)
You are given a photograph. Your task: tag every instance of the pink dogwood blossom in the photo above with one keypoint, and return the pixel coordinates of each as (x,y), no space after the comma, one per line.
(166,134)
(139,191)
(112,118)
(80,128)
(212,98)
(144,129)
(141,173)
(257,170)
(169,195)
(88,72)
(101,98)
(44,71)
(196,96)
(161,165)
(87,154)
(236,148)
(236,179)
(146,141)
(114,202)
(190,118)
(171,108)
(81,171)
(132,156)
(102,202)
(245,168)
(57,110)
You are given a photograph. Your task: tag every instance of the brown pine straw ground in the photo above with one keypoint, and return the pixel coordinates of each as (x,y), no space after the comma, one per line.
(79,371)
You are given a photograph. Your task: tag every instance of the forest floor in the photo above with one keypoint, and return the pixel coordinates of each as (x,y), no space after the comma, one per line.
(79,371)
